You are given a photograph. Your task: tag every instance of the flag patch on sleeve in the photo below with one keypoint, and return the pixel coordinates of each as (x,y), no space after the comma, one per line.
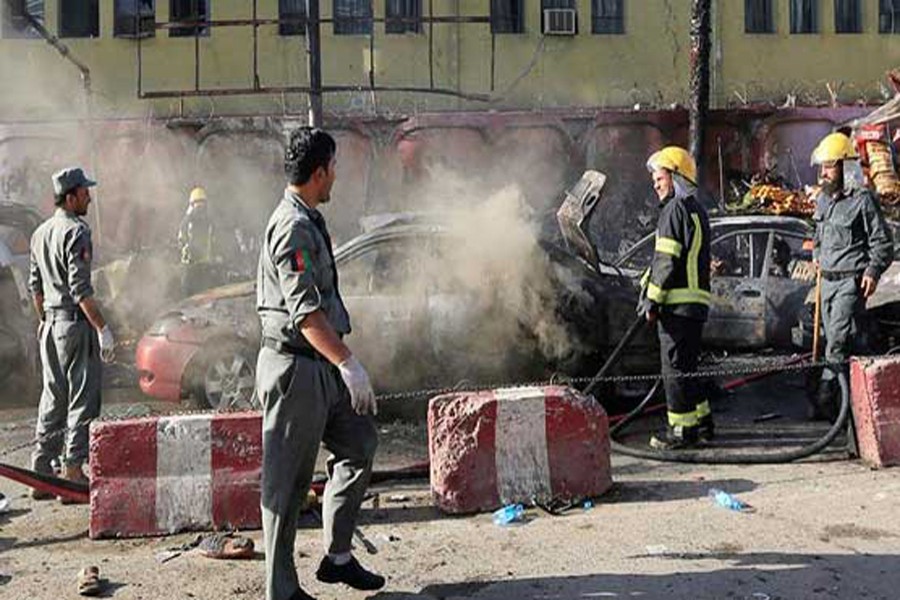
(302,261)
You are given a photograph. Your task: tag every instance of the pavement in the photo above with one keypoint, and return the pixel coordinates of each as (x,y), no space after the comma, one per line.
(822,528)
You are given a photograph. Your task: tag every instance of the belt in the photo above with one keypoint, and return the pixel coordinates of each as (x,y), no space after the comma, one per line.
(279,346)
(840,275)
(65,314)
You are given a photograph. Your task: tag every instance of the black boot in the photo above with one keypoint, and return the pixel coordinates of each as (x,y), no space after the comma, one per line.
(706,431)
(827,400)
(676,438)
(351,573)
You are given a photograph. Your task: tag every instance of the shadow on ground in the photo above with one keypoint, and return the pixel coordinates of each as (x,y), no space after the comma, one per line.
(736,576)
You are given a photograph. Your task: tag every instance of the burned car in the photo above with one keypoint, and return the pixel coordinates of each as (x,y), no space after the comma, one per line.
(434,300)
(761,273)
(19,362)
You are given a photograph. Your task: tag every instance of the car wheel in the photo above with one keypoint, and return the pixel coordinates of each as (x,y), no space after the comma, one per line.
(226,379)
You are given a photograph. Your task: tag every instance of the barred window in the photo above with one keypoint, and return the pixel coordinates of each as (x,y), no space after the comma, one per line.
(134,18)
(847,16)
(403,16)
(759,16)
(352,17)
(507,16)
(189,11)
(79,18)
(607,16)
(889,16)
(804,16)
(545,4)
(294,11)
(13,23)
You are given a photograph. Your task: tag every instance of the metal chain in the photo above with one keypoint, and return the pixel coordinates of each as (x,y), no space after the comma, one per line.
(769,366)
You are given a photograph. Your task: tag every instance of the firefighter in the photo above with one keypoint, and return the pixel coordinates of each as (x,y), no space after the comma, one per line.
(852,248)
(677,297)
(195,241)
(74,336)
(312,388)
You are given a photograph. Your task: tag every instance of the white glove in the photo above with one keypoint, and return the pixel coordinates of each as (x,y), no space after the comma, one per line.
(107,344)
(362,396)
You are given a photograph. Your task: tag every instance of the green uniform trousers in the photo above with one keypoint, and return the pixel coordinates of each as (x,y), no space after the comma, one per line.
(305,403)
(70,359)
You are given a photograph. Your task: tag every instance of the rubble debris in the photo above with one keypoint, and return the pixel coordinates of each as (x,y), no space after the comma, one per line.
(89,582)
(226,546)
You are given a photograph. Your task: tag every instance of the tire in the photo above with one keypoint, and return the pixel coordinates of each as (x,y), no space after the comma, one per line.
(224,378)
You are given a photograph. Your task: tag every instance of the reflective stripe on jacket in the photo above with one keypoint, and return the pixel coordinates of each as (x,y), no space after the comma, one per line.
(679,275)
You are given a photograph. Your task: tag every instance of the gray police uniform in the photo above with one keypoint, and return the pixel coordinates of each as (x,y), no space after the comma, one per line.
(303,396)
(852,240)
(61,254)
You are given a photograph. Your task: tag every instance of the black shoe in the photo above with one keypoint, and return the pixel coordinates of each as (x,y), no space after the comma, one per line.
(351,573)
(301,595)
(826,401)
(706,431)
(676,438)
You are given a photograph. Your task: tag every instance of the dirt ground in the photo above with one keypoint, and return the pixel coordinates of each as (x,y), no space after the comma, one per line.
(827,528)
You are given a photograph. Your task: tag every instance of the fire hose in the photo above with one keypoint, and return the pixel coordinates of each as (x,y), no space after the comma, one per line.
(711,456)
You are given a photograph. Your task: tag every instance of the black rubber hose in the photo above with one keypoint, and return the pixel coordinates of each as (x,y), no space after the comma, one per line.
(720,457)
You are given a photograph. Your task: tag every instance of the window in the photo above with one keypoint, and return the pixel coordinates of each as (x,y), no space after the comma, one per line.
(79,18)
(607,16)
(134,18)
(12,16)
(507,16)
(804,16)
(847,16)
(403,16)
(188,11)
(759,16)
(295,12)
(888,16)
(352,17)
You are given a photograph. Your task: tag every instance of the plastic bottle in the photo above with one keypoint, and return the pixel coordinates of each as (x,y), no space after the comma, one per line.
(509,514)
(726,500)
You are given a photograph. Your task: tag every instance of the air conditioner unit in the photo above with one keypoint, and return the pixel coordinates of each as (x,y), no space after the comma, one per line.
(559,21)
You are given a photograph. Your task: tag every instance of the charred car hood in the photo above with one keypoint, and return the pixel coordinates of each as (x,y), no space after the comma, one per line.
(574,215)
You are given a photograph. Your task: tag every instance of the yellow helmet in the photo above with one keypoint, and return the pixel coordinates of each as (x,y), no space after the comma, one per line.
(834,146)
(676,160)
(197,194)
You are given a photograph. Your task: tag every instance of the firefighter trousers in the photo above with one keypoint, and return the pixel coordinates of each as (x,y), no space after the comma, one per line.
(679,348)
(305,404)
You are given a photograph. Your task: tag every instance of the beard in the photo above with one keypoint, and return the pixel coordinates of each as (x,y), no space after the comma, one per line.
(831,187)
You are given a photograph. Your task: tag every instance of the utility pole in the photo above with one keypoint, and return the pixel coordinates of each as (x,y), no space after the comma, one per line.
(314,62)
(701,44)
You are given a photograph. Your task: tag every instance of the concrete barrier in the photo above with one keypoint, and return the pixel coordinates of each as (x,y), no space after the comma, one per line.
(875,396)
(492,448)
(161,475)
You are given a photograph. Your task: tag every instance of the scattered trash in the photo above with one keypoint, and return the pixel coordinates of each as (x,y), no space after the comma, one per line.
(89,582)
(226,546)
(511,513)
(4,504)
(367,544)
(726,500)
(588,505)
(398,498)
(657,550)
(167,555)
(4,579)
(390,537)
(761,596)
(767,417)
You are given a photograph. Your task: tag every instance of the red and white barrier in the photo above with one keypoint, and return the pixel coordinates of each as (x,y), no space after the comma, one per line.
(511,445)
(875,396)
(161,475)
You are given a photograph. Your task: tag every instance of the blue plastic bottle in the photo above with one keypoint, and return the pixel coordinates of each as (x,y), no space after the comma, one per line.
(509,514)
(726,500)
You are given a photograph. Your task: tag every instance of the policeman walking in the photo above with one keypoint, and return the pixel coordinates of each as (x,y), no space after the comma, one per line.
(313,390)
(73,333)
(677,296)
(852,248)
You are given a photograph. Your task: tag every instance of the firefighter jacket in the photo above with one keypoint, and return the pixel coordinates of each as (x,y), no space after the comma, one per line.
(851,234)
(678,280)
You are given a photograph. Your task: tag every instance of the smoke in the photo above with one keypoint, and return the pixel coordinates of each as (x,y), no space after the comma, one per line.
(491,299)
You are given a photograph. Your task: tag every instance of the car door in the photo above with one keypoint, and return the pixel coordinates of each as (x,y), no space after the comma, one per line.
(737,317)
(384,293)
(789,275)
